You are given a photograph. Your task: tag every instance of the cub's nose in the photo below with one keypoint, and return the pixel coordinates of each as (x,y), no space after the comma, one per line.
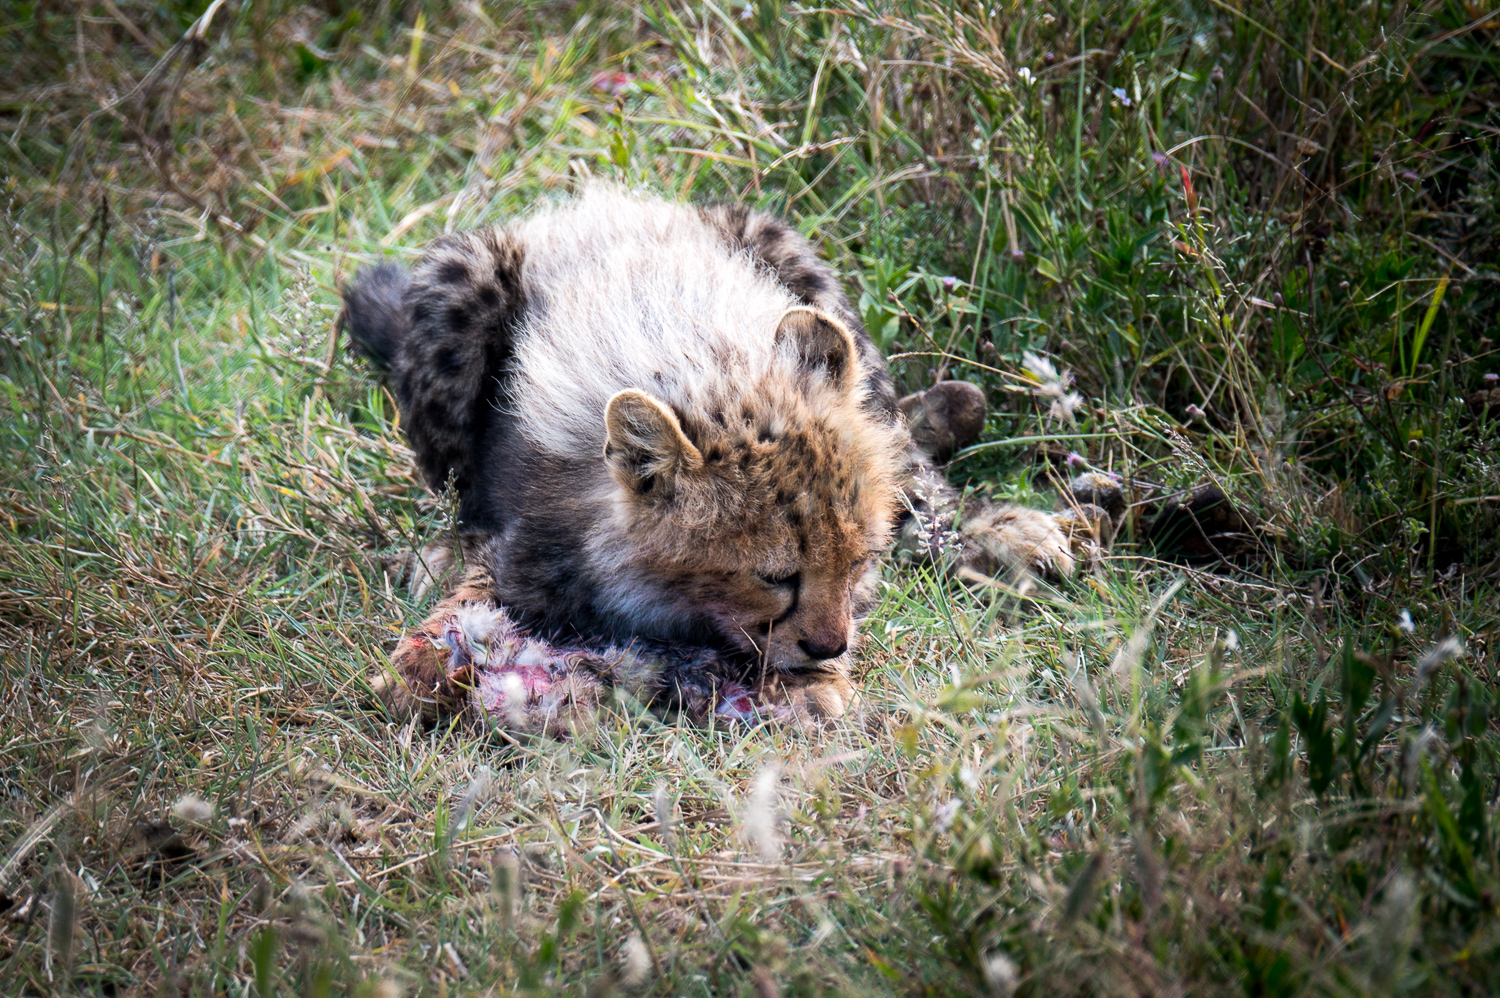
(819,651)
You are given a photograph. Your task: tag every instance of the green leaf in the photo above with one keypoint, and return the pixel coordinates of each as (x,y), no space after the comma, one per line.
(262,958)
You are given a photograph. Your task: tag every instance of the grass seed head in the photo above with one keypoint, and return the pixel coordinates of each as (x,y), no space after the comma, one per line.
(760,817)
(1000,974)
(635,962)
(64,920)
(1444,651)
(192,810)
(662,804)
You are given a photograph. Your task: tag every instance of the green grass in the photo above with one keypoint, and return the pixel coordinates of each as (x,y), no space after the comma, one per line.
(1274,778)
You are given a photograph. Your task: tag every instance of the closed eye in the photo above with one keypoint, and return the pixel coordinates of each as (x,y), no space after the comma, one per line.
(789,581)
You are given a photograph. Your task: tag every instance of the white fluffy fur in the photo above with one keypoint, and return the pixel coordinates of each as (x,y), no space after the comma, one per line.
(609,310)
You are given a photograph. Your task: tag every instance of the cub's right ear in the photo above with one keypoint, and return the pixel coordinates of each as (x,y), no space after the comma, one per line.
(644,445)
(822,344)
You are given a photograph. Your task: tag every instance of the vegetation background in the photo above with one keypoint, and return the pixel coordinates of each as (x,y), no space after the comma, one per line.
(1261,238)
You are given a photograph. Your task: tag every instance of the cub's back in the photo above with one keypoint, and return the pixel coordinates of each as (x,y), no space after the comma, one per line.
(626,293)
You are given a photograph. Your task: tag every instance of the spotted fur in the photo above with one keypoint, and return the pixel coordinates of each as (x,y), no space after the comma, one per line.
(447,332)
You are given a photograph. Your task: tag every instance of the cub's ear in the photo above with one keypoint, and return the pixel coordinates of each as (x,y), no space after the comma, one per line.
(821,343)
(644,445)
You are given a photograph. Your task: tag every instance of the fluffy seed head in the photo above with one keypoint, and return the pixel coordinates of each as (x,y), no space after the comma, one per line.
(192,809)
(760,823)
(635,962)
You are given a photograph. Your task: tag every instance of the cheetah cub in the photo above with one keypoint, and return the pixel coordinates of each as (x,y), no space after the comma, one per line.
(679,458)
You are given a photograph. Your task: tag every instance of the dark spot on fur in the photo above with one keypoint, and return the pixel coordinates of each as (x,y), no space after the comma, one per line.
(459,319)
(447,362)
(452,272)
(420,313)
(489,296)
(813,283)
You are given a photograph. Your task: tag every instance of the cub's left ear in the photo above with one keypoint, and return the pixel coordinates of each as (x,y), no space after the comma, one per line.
(822,343)
(645,448)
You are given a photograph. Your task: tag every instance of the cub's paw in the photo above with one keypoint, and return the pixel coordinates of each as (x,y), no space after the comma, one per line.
(1004,540)
(1089,530)
(808,697)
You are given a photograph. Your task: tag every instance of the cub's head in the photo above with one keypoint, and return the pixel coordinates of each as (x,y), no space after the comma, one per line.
(757,514)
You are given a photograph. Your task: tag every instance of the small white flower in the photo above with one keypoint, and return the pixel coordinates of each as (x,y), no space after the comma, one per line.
(1231,640)
(1121,96)
(1025,75)
(1403,621)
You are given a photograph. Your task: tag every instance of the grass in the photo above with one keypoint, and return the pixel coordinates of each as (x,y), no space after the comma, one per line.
(1261,237)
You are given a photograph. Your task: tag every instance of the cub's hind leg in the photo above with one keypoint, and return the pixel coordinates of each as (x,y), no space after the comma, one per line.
(981,538)
(445,330)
